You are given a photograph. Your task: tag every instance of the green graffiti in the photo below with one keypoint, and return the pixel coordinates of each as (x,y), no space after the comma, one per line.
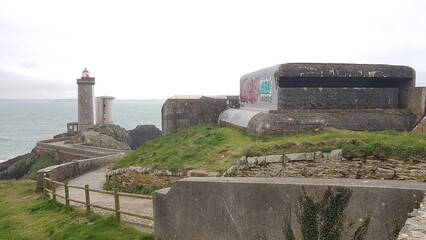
(265,87)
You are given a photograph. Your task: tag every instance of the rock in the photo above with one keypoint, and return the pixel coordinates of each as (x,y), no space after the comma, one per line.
(274,159)
(295,157)
(115,131)
(92,138)
(383,173)
(142,134)
(336,154)
(251,161)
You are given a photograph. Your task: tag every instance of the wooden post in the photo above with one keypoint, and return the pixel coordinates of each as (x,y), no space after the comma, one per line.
(86,190)
(117,205)
(67,194)
(53,191)
(44,183)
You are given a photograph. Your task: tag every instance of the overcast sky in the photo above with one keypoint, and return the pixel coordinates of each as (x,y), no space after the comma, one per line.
(157,49)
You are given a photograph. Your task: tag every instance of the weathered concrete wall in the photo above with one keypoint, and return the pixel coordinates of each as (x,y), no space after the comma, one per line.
(69,170)
(351,119)
(280,208)
(415,226)
(179,113)
(417,101)
(337,98)
(420,127)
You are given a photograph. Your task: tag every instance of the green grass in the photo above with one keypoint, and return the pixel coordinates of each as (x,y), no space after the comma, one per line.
(40,163)
(216,148)
(26,215)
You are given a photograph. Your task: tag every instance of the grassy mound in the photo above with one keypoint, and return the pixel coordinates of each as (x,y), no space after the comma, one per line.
(217,148)
(27,215)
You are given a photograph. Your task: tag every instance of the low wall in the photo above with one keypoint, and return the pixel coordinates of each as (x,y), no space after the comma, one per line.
(69,170)
(415,226)
(66,153)
(336,164)
(284,208)
(297,120)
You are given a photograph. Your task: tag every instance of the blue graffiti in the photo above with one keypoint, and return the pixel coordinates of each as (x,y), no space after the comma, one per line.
(265,87)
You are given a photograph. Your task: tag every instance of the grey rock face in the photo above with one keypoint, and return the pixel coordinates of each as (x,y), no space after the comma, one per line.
(106,136)
(142,134)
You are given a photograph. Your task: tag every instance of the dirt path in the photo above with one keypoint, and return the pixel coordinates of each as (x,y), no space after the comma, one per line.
(96,179)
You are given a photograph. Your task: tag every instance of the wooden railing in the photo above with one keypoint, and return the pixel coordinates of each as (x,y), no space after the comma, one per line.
(52,191)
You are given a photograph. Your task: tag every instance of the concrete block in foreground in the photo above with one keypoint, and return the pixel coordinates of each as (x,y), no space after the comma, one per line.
(282,208)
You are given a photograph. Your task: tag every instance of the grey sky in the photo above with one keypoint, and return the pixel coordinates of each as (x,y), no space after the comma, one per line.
(156,49)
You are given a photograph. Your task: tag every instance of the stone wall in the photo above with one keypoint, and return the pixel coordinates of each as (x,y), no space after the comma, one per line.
(284,208)
(179,113)
(328,165)
(337,98)
(70,152)
(415,226)
(69,170)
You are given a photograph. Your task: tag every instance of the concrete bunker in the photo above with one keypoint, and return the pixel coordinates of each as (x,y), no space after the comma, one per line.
(300,96)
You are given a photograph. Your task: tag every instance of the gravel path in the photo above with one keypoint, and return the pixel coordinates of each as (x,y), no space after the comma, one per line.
(96,179)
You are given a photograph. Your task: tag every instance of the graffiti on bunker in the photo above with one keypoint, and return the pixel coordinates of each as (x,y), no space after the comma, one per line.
(255,89)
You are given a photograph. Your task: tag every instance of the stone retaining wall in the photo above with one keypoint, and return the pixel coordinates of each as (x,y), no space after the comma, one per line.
(328,165)
(69,170)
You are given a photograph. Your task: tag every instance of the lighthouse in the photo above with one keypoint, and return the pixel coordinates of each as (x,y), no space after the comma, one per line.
(85,101)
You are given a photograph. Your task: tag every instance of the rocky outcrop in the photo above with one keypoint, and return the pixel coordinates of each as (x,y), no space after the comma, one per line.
(96,139)
(116,137)
(19,167)
(142,134)
(115,131)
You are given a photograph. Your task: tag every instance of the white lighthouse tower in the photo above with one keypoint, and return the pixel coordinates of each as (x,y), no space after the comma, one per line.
(85,101)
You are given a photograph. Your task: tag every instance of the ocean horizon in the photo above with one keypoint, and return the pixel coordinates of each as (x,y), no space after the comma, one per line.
(23,122)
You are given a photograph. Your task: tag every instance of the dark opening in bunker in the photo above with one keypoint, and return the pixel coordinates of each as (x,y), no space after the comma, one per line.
(350,82)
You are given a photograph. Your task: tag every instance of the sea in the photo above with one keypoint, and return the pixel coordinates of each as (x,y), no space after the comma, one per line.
(24,122)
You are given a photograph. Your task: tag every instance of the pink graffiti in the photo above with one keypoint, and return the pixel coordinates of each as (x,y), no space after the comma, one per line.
(249,90)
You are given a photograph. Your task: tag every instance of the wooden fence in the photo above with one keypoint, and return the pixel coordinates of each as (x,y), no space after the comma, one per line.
(52,191)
